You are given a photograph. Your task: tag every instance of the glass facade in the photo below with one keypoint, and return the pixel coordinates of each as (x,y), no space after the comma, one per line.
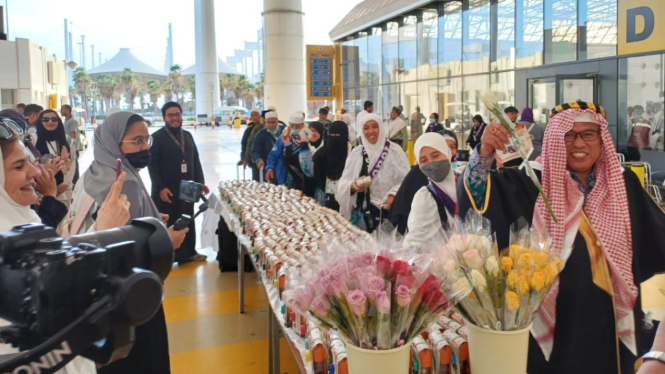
(442,57)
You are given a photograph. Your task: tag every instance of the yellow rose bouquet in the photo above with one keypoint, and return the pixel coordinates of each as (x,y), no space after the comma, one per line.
(503,289)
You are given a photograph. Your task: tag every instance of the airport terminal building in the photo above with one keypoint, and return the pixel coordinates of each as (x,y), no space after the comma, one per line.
(441,56)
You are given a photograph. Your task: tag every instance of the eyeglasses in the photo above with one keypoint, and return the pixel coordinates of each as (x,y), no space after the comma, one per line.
(8,128)
(140,141)
(587,136)
(173,115)
(52,119)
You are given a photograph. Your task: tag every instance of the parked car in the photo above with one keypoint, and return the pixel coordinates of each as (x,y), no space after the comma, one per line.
(226,113)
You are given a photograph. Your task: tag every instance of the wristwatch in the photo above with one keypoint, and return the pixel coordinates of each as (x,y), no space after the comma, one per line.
(653,355)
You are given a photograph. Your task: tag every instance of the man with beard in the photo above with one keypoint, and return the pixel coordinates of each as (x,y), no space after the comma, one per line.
(175,158)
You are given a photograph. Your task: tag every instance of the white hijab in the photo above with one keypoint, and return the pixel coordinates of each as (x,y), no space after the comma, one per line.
(13,214)
(438,142)
(385,183)
(374,150)
(424,221)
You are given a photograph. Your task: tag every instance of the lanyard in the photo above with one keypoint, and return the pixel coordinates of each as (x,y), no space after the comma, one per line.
(180,143)
(51,149)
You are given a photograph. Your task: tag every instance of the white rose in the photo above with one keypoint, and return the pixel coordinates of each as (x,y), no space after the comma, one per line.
(478,280)
(485,245)
(451,269)
(455,242)
(489,101)
(462,286)
(492,266)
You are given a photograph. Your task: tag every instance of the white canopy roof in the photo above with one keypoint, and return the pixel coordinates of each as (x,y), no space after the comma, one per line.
(125,59)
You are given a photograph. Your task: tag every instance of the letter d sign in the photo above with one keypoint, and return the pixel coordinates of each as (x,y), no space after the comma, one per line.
(641,26)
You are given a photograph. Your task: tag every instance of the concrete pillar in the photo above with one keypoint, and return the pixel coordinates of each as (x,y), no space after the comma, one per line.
(207,76)
(284,56)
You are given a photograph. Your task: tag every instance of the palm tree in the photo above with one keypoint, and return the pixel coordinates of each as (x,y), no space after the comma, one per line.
(227,84)
(167,88)
(248,95)
(141,93)
(191,83)
(82,83)
(72,95)
(130,85)
(176,77)
(258,91)
(154,90)
(107,86)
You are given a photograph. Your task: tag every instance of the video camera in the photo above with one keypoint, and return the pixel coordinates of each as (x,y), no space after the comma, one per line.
(79,296)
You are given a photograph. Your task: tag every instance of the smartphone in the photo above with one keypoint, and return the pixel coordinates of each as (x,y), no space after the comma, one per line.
(190,191)
(45,158)
(182,222)
(118,168)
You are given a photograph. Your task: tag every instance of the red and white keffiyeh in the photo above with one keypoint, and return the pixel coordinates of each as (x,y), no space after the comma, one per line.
(607,208)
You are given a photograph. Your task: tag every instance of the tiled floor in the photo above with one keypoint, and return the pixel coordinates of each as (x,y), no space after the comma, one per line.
(207,334)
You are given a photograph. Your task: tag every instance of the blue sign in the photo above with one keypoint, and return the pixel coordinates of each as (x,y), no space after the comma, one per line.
(323,89)
(316,61)
(321,94)
(327,78)
(322,83)
(320,72)
(327,67)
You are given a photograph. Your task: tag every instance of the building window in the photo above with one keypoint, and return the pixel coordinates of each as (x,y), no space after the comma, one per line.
(598,20)
(451,106)
(390,98)
(408,52)
(529,28)
(428,97)
(450,40)
(504,45)
(560,31)
(350,63)
(374,57)
(641,119)
(361,44)
(428,35)
(389,38)
(503,87)
(7,97)
(476,37)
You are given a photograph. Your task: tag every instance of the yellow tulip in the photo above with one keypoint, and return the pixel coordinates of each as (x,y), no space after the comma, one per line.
(540,258)
(551,272)
(524,261)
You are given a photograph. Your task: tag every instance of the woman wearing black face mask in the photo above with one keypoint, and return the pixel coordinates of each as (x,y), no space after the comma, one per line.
(433,155)
(125,136)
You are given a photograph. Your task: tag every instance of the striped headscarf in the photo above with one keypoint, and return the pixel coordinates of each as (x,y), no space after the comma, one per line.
(607,208)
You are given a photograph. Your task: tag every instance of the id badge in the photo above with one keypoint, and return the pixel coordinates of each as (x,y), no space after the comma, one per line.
(183,167)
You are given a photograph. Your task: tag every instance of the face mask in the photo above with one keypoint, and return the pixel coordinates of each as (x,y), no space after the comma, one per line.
(139,160)
(432,120)
(294,132)
(437,170)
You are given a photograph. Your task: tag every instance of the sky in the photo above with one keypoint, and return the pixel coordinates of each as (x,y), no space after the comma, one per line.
(142,25)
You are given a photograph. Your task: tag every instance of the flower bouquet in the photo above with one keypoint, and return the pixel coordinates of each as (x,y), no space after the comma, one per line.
(517,138)
(503,290)
(378,295)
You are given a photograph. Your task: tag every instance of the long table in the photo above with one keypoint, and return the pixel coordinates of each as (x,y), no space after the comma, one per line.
(276,325)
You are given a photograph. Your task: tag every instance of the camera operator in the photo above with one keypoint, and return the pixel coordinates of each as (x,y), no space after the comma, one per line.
(124,136)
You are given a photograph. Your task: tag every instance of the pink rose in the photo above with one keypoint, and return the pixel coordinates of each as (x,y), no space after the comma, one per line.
(303,298)
(340,269)
(320,305)
(373,285)
(322,272)
(357,302)
(332,285)
(404,295)
(382,302)
(473,259)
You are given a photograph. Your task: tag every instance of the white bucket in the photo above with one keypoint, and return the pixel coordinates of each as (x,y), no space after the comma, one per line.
(497,352)
(369,361)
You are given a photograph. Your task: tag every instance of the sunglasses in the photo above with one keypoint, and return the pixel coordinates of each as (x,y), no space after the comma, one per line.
(9,128)
(52,119)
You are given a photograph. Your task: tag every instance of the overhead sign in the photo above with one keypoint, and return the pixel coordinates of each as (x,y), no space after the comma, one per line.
(641,26)
(320,72)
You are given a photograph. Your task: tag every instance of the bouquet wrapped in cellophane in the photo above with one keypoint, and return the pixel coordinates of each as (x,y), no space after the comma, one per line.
(376,293)
(503,290)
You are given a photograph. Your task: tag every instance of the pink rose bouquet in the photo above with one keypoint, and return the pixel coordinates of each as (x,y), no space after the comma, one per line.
(378,295)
